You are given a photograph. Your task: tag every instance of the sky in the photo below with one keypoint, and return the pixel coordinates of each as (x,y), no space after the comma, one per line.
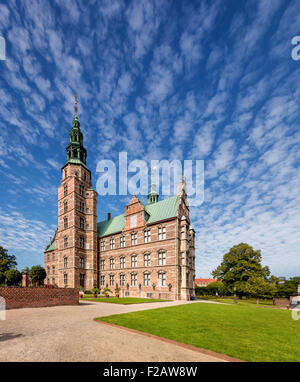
(197,80)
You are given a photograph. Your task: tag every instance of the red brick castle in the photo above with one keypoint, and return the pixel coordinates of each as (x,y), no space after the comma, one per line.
(148,251)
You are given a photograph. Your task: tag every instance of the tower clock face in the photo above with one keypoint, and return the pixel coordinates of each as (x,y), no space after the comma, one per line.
(133,221)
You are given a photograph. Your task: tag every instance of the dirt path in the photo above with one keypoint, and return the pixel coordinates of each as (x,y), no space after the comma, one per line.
(68,333)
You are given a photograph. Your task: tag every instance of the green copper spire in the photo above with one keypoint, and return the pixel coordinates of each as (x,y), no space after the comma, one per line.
(153,195)
(76,152)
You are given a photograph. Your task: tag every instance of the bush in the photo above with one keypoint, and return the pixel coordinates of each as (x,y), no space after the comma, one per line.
(95,291)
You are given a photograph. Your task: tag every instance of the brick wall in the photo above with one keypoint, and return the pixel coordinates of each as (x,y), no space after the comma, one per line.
(281,301)
(37,297)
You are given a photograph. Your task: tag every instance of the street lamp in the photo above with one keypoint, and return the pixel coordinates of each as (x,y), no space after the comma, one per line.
(234,289)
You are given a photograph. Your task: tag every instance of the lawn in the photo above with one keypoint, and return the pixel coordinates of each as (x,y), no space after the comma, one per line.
(244,301)
(243,332)
(122,300)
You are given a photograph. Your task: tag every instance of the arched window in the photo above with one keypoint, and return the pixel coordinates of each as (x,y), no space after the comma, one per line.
(65,262)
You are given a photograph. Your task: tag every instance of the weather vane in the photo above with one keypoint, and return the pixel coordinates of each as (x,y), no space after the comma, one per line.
(75,106)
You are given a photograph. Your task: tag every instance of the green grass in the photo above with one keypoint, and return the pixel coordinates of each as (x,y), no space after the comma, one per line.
(244,301)
(243,332)
(122,300)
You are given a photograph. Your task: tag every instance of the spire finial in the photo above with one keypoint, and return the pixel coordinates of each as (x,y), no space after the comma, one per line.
(75,104)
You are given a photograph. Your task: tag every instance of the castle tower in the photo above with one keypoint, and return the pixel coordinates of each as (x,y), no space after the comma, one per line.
(76,237)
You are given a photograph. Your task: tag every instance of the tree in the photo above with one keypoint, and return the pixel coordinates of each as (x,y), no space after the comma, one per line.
(217,286)
(37,274)
(259,287)
(13,277)
(238,265)
(6,261)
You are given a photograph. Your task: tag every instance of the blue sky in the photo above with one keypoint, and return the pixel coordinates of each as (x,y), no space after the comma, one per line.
(210,80)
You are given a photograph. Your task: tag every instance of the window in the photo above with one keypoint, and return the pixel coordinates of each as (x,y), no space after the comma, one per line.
(65,242)
(84,176)
(122,280)
(146,279)
(48,257)
(81,206)
(65,190)
(122,262)
(147,236)
(102,265)
(53,256)
(111,280)
(65,278)
(133,221)
(81,189)
(81,262)
(87,226)
(134,261)
(65,262)
(102,280)
(81,242)
(161,233)
(65,222)
(102,245)
(87,210)
(48,270)
(53,280)
(81,223)
(162,258)
(112,263)
(53,269)
(82,279)
(122,241)
(133,279)
(147,262)
(162,279)
(134,238)
(65,206)
(66,173)
(112,243)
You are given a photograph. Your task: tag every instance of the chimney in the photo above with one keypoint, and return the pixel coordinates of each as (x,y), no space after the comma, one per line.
(108,216)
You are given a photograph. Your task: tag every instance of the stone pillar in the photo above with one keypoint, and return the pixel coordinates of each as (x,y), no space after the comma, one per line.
(25,278)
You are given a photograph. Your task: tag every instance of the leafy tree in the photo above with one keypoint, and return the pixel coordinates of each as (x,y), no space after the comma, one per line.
(13,277)
(289,288)
(217,286)
(6,261)
(37,274)
(259,287)
(238,265)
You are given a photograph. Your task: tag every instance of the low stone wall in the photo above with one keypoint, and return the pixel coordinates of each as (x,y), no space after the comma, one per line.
(282,302)
(37,297)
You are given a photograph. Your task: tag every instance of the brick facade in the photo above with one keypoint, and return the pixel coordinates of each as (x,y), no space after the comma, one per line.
(38,297)
(161,267)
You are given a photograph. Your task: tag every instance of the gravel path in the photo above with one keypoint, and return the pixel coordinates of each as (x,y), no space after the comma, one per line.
(68,333)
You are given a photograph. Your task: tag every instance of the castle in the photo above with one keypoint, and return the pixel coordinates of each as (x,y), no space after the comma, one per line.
(149,251)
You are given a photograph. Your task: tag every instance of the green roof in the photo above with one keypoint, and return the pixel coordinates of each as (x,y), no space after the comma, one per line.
(51,246)
(75,161)
(162,210)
